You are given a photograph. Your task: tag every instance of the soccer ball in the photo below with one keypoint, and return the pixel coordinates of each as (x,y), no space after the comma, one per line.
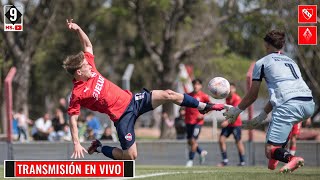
(219,87)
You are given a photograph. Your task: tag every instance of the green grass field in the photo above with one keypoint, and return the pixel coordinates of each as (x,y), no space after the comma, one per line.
(216,173)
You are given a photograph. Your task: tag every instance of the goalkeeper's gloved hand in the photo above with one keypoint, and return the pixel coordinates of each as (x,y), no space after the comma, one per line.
(257,120)
(232,113)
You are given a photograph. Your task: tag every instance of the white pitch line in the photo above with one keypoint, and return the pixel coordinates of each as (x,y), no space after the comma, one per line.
(148,175)
(154,174)
(167,173)
(163,174)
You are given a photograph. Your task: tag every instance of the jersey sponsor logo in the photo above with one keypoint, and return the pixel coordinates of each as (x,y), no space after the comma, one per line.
(281,59)
(98,87)
(86,89)
(128,137)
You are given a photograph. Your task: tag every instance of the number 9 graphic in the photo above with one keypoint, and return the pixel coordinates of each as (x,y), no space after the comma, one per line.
(13,14)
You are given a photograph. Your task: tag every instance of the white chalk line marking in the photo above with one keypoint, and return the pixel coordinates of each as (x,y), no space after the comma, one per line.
(163,174)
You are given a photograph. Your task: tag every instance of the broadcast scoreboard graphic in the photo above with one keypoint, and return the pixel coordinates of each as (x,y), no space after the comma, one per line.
(63,169)
(307,35)
(13,18)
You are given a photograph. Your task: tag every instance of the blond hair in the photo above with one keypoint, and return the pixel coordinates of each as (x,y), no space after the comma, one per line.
(73,62)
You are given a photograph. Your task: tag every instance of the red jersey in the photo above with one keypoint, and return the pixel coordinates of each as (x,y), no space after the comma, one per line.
(192,114)
(234,100)
(98,94)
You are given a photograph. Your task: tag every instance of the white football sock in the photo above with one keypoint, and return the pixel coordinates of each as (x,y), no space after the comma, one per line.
(99,149)
(202,105)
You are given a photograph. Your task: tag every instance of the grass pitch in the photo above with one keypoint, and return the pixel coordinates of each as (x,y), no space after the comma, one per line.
(215,173)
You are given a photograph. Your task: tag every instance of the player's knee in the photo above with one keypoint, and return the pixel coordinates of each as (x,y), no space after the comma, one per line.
(194,143)
(190,142)
(222,139)
(133,156)
(168,94)
(268,153)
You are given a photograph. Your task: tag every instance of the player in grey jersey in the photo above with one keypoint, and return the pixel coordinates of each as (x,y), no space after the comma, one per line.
(290,100)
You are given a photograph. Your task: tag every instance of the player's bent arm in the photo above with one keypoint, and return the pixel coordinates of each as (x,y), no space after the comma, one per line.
(85,41)
(87,46)
(74,129)
(268,108)
(251,96)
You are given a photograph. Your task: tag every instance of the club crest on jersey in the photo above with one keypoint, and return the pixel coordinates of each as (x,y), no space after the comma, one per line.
(128,137)
(139,96)
(93,74)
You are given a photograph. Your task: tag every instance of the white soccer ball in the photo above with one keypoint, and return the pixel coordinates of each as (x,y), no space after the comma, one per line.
(219,87)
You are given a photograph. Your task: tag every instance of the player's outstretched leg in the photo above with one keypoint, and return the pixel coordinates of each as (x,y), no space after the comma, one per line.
(160,97)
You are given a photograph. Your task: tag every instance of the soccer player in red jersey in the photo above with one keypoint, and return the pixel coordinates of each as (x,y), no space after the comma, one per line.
(91,90)
(194,121)
(235,128)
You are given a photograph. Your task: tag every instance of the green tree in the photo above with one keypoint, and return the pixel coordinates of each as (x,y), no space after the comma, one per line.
(21,46)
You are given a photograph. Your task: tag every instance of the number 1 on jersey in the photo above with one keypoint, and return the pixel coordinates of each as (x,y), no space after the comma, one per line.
(292,70)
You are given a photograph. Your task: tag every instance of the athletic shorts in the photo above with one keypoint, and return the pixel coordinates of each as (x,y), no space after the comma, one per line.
(236,131)
(285,116)
(140,103)
(193,130)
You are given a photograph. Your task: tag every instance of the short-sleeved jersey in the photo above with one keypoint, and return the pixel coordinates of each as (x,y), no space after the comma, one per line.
(283,78)
(234,100)
(192,114)
(98,94)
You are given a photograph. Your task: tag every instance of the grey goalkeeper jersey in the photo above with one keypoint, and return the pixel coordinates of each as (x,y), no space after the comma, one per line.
(283,78)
